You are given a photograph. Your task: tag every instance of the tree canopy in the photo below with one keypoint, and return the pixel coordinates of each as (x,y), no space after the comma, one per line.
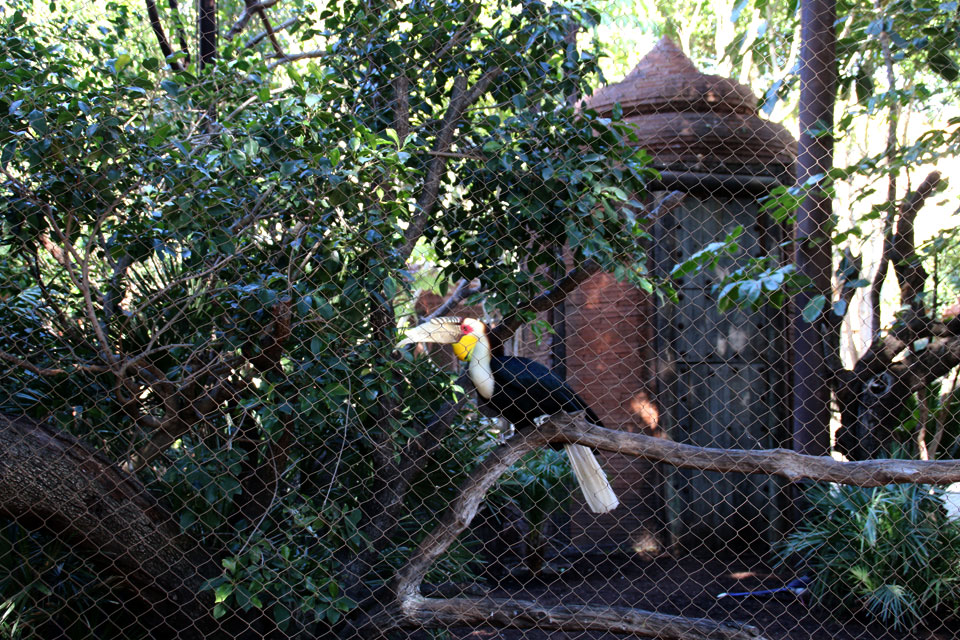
(204,270)
(209,253)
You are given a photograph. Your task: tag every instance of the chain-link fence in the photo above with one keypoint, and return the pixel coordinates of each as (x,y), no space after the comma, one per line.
(496,319)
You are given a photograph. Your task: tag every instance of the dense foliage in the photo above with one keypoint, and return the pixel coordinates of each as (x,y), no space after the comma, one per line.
(888,553)
(203,271)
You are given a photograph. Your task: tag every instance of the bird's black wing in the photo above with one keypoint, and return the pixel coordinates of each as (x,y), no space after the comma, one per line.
(525,390)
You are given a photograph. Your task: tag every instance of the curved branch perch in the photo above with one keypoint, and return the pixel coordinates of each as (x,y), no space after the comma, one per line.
(411,609)
(785,463)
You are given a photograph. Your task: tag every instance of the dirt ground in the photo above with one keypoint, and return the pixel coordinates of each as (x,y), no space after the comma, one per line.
(688,586)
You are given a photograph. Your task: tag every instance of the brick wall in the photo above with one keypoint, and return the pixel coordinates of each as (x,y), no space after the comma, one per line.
(610,359)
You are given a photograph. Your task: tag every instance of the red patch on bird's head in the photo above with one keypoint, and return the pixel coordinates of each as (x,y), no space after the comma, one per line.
(466,328)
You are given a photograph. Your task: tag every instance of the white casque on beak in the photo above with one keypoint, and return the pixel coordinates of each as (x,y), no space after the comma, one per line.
(444,330)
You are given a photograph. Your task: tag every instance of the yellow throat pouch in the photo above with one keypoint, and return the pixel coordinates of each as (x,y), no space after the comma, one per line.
(464,347)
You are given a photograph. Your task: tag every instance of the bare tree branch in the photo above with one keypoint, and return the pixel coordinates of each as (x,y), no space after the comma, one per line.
(908,267)
(69,258)
(412,610)
(947,405)
(936,360)
(785,463)
(291,57)
(158,31)
(56,371)
(898,243)
(283,26)
(522,614)
(464,30)
(913,323)
(461,98)
(181,35)
(401,106)
(574,429)
(461,291)
(460,514)
(251,9)
(894,112)
(268,28)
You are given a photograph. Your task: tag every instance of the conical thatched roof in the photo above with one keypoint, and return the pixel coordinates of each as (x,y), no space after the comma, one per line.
(693,120)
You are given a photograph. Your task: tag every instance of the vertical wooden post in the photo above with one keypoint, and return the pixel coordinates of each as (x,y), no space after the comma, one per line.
(207,30)
(558,314)
(207,38)
(818,80)
(558,321)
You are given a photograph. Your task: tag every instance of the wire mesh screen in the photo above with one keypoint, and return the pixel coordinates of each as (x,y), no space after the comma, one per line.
(479,319)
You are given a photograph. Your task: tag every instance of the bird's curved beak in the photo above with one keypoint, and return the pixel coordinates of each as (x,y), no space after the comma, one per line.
(439,331)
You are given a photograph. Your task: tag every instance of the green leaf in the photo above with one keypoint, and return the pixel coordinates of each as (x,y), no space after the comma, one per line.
(814,308)
(171,87)
(223,592)
(282,616)
(6,155)
(121,62)
(390,133)
(38,122)
(237,158)
(943,65)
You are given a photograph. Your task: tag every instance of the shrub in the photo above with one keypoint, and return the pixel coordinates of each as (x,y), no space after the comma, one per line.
(890,553)
(539,486)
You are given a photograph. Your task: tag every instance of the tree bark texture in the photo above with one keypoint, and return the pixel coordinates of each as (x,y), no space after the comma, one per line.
(818,86)
(53,481)
(872,396)
(207,31)
(522,614)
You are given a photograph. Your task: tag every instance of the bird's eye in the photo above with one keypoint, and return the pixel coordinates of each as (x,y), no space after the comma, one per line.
(466,328)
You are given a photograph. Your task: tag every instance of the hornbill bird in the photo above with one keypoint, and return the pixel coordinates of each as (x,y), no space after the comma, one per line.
(520,390)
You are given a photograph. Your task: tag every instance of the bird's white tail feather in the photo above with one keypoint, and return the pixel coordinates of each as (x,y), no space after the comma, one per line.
(592,479)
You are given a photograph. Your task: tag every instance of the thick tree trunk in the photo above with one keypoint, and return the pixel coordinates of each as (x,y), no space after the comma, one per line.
(51,480)
(818,74)
(873,396)
(207,31)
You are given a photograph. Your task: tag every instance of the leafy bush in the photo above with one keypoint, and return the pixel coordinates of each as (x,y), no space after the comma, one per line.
(215,304)
(540,486)
(890,553)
